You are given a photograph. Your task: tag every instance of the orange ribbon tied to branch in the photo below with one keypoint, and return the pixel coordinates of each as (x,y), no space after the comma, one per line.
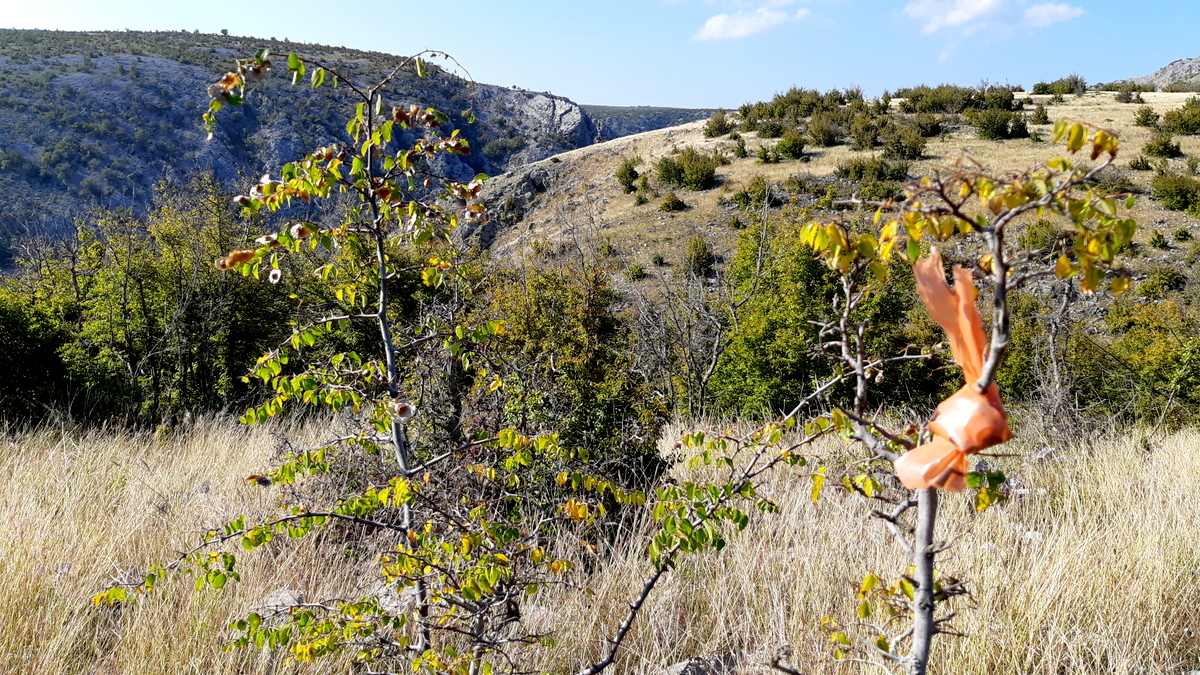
(969,420)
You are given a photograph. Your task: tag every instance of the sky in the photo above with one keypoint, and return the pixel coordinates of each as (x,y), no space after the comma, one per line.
(696,53)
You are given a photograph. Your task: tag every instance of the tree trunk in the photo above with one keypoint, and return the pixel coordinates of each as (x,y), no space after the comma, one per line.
(923,603)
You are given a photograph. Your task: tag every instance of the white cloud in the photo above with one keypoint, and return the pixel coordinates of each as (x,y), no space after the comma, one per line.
(1040,16)
(742,24)
(935,15)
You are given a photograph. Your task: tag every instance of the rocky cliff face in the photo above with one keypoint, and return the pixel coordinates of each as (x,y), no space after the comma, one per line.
(1180,70)
(97,119)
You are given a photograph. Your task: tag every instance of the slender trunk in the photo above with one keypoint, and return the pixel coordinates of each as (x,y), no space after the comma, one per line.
(923,603)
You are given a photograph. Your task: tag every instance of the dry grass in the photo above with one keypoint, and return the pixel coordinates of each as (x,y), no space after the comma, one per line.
(1094,570)
(83,509)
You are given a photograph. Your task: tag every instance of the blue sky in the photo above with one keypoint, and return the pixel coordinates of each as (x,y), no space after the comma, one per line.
(698,52)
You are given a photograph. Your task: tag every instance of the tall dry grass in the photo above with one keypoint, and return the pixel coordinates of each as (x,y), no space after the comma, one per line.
(1096,569)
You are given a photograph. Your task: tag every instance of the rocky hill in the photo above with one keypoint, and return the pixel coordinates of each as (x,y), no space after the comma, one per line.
(550,206)
(96,119)
(1175,72)
(617,121)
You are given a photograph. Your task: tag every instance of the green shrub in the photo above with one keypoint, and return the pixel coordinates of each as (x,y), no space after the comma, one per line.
(699,258)
(879,190)
(770,129)
(1128,94)
(635,272)
(928,124)
(1140,163)
(1182,234)
(767,155)
(1042,235)
(659,260)
(739,148)
(1146,117)
(774,355)
(1160,280)
(903,141)
(1071,84)
(1158,241)
(689,168)
(791,145)
(717,125)
(1183,87)
(823,129)
(640,198)
(1162,146)
(1185,120)
(948,98)
(672,203)
(872,168)
(864,132)
(1176,192)
(627,173)
(754,194)
(995,124)
(1040,116)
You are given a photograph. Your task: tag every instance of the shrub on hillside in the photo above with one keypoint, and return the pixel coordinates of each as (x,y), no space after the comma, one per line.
(717,125)
(928,124)
(627,173)
(1184,120)
(864,132)
(1071,84)
(872,168)
(791,145)
(994,124)
(739,148)
(689,168)
(823,129)
(948,98)
(767,155)
(1040,116)
(903,141)
(1162,146)
(1161,280)
(1146,117)
(1176,191)
(699,258)
(672,203)
(1140,163)
(770,129)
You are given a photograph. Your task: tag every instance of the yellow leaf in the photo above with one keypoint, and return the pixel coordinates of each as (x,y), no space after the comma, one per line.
(1062,268)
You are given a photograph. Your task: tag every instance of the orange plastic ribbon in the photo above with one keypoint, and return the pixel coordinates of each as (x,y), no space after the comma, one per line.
(968,421)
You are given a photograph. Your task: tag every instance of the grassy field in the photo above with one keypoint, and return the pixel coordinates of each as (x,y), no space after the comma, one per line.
(596,205)
(1093,568)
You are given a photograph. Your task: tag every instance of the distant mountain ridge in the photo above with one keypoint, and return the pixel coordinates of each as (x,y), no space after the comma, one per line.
(1179,70)
(96,119)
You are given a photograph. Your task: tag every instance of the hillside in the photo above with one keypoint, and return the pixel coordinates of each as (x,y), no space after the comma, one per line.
(557,199)
(617,121)
(96,119)
(1179,71)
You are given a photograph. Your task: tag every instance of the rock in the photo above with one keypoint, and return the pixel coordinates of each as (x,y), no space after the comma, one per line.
(279,600)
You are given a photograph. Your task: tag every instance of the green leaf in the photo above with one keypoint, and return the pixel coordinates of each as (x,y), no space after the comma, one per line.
(294,62)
